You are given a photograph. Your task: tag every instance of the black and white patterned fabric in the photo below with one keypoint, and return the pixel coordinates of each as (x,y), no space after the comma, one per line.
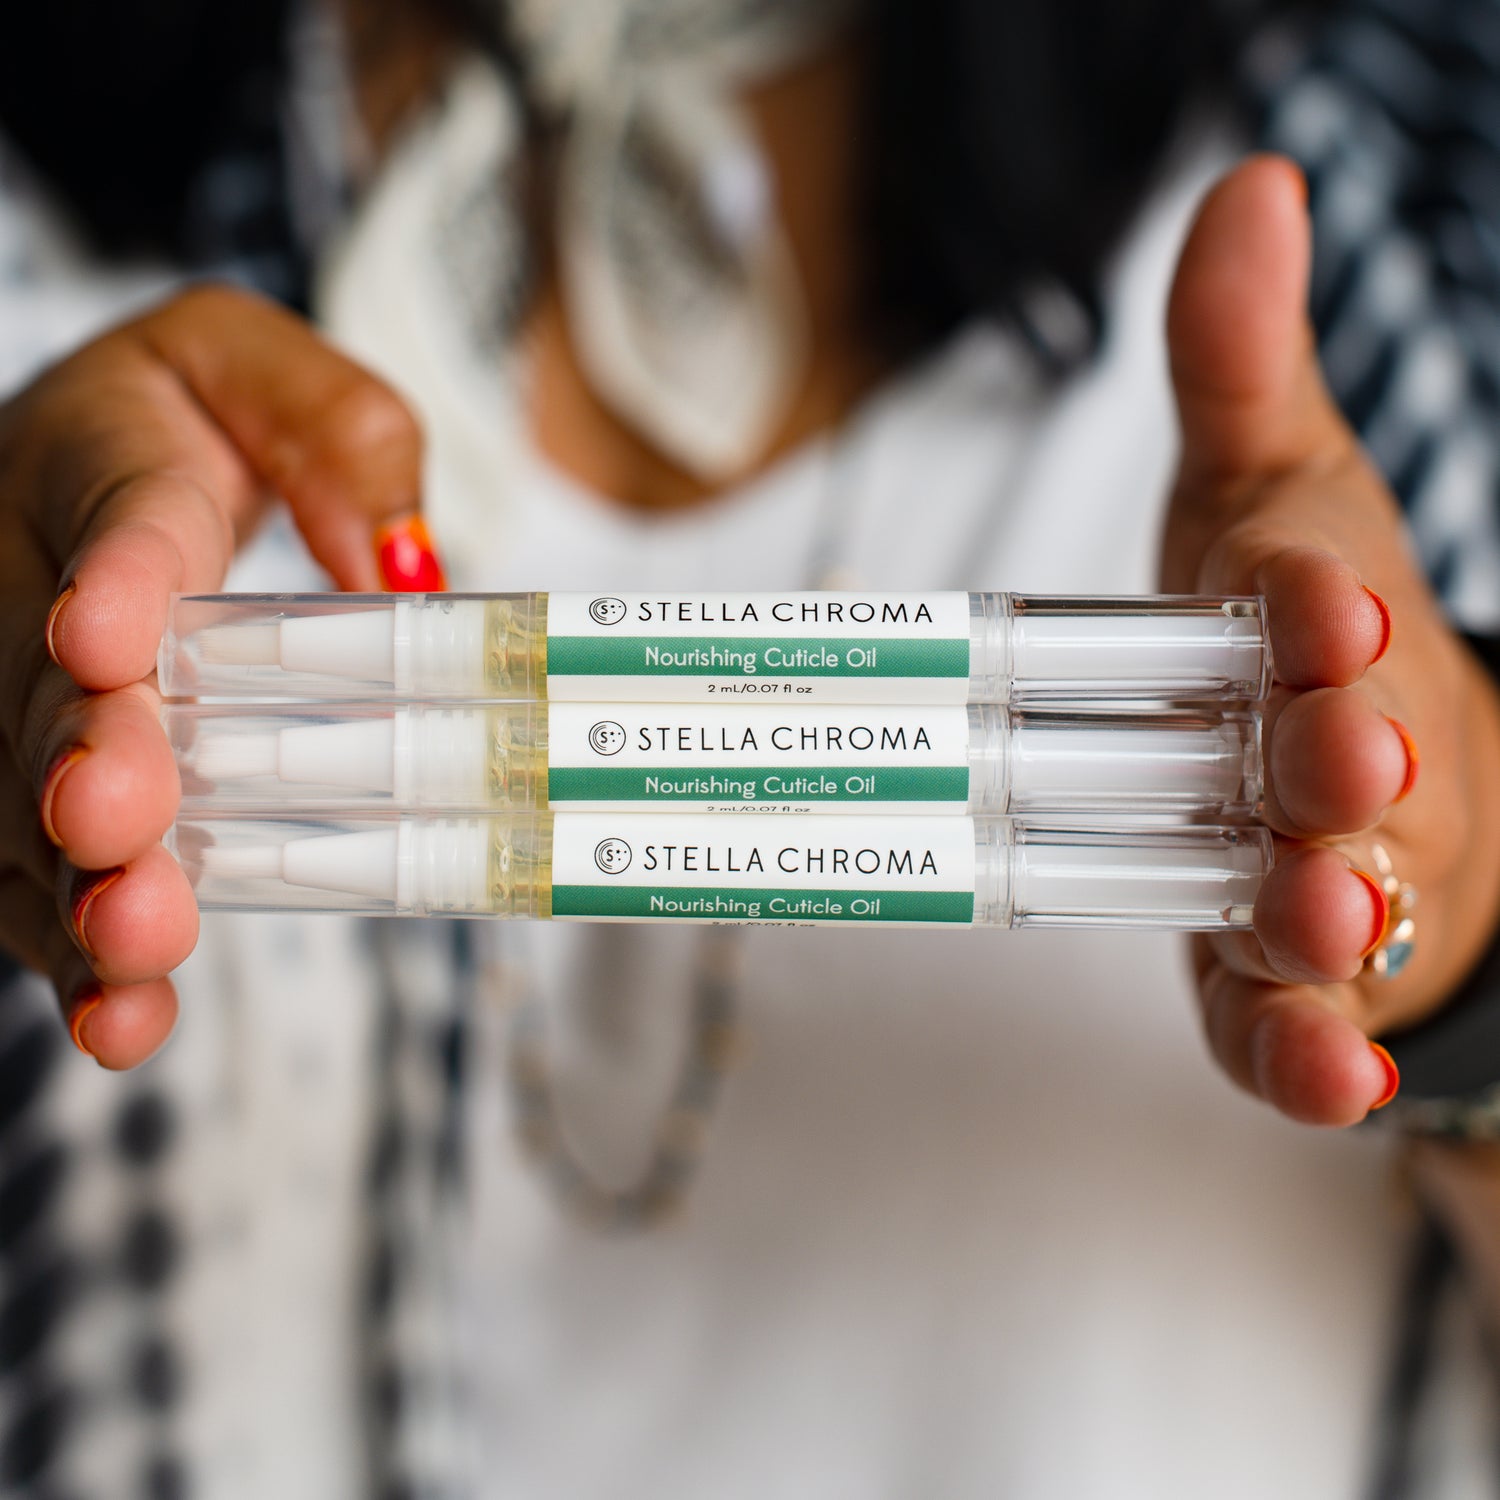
(85,1229)
(101,1262)
(1393,109)
(1393,106)
(415,1380)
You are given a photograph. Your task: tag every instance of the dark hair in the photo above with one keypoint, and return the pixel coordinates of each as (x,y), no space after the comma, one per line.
(1009,141)
(125,109)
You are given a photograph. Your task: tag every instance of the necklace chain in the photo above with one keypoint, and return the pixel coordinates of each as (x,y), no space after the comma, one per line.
(714,1040)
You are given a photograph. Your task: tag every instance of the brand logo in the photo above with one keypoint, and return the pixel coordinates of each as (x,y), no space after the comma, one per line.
(612,856)
(607,737)
(607,611)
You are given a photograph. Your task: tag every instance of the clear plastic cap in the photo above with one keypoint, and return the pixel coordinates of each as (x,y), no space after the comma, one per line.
(409,646)
(350,757)
(1140,764)
(1031,874)
(1036,648)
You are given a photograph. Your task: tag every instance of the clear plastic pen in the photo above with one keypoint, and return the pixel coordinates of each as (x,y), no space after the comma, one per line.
(759,868)
(818,647)
(980,758)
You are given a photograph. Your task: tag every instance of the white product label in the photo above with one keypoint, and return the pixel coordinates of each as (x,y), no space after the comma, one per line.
(798,647)
(807,871)
(736,757)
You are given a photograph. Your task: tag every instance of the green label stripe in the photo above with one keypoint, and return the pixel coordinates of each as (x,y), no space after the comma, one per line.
(747,903)
(748,784)
(625,656)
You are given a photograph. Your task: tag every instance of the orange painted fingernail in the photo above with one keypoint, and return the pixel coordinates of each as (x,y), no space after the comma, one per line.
(1385,624)
(1392,1076)
(1413,758)
(53,613)
(85,1003)
(1382,911)
(53,779)
(1299,178)
(84,900)
(408,560)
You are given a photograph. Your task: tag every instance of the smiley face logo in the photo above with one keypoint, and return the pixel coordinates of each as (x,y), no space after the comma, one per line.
(612,856)
(607,737)
(607,611)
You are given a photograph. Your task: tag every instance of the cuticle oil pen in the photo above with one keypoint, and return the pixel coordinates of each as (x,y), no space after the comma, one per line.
(980,758)
(944,871)
(815,647)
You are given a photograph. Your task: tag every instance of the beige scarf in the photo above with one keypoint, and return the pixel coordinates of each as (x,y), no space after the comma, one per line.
(679,289)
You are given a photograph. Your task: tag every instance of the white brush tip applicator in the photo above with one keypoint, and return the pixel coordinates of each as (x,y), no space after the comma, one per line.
(220,757)
(241,645)
(242,861)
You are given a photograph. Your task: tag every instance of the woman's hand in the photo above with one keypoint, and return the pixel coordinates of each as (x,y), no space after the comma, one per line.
(133,469)
(1274,496)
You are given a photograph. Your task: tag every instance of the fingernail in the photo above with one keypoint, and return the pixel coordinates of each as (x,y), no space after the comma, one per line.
(1413,758)
(85,1003)
(84,900)
(1299,177)
(53,613)
(1385,624)
(408,561)
(1382,912)
(1392,1076)
(53,779)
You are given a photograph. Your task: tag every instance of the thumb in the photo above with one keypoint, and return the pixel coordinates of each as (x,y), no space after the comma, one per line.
(1250,397)
(1273,495)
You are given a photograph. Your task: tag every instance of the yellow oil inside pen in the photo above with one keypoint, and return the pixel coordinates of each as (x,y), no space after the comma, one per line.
(519,871)
(516,757)
(515,645)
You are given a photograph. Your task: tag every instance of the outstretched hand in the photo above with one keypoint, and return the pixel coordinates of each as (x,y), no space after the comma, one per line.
(128,471)
(1275,497)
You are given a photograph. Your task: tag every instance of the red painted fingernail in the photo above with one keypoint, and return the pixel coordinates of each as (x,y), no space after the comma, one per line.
(85,1003)
(1392,1076)
(1385,624)
(83,901)
(53,779)
(1299,178)
(1413,758)
(53,613)
(1382,911)
(408,560)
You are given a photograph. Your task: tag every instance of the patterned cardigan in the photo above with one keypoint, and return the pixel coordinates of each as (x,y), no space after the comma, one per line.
(1392,107)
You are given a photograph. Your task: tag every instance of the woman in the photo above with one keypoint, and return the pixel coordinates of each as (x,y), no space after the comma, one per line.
(969,1222)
